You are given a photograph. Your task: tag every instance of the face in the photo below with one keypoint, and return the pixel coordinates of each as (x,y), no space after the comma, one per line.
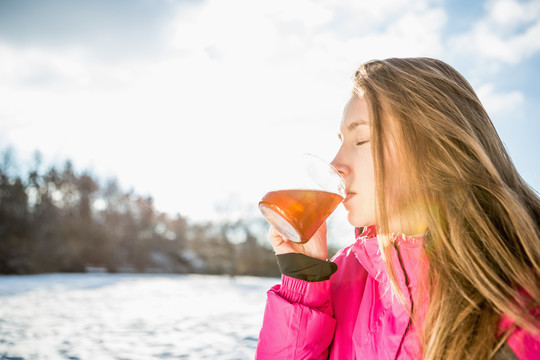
(355,163)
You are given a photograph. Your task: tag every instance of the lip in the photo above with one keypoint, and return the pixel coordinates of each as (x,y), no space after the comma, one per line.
(348,196)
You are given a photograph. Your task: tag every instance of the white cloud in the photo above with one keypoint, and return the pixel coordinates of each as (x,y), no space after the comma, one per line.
(498,104)
(413,34)
(509,32)
(512,13)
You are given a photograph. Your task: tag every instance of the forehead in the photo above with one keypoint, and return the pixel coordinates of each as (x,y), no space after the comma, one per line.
(355,114)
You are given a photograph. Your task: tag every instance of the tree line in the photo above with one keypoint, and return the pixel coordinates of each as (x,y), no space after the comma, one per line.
(62,220)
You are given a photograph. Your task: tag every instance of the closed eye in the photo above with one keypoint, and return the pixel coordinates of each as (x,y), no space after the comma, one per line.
(362,142)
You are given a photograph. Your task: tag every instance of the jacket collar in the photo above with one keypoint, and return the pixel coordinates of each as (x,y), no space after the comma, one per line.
(408,256)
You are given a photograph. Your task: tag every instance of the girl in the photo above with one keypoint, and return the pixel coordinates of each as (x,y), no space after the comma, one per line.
(446,263)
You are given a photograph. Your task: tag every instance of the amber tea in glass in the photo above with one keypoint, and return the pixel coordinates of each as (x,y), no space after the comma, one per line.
(298,213)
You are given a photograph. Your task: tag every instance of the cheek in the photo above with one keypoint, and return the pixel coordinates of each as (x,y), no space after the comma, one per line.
(365,175)
(361,208)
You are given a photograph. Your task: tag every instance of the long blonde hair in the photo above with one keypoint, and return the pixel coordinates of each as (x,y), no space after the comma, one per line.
(451,173)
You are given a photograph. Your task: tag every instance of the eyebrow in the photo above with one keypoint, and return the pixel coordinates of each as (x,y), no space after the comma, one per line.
(355,124)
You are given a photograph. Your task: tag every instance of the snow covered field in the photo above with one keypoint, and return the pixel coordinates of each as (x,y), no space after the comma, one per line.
(130,316)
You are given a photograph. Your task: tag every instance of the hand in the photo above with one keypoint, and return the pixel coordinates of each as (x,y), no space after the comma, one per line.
(316,247)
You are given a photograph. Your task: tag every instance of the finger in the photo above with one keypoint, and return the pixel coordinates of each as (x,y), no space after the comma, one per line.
(276,235)
(273,232)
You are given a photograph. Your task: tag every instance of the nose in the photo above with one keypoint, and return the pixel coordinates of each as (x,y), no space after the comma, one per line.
(340,165)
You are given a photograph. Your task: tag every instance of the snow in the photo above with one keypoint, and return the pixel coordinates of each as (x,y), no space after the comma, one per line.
(130,316)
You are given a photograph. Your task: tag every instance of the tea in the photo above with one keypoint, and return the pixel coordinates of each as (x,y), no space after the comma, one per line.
(297,214)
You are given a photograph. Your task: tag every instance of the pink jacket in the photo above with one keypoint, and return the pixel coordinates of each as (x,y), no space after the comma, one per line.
(355,315)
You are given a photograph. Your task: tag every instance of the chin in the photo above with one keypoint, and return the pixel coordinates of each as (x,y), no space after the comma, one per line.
(359,220)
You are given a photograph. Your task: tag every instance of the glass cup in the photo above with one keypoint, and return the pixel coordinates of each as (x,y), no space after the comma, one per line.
(298,212)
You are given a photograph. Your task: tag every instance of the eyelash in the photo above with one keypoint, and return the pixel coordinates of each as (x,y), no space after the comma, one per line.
(362,142)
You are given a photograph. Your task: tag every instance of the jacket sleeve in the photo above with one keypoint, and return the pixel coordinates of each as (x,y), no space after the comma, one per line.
(524,344)
(298,321)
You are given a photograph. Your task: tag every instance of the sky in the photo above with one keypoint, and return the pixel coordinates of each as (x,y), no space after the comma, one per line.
(204,104)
